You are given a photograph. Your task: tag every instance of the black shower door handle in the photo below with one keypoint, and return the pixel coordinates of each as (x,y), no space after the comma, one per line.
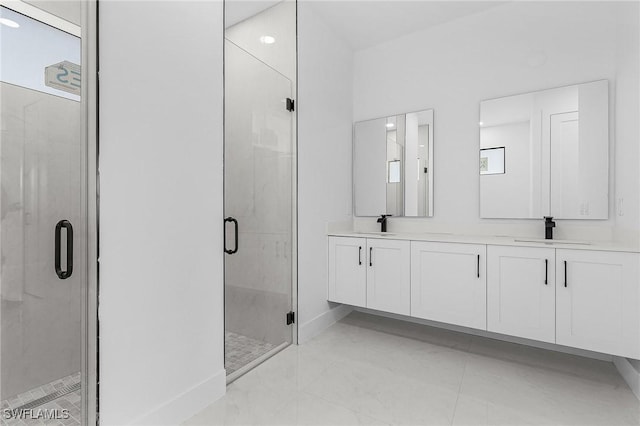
(235,225)
(63,275)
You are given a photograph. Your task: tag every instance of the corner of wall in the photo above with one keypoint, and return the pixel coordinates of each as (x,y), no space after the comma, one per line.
(317,325)
(629,373)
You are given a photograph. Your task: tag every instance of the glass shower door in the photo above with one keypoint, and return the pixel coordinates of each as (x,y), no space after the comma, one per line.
(43,270)
(258,207)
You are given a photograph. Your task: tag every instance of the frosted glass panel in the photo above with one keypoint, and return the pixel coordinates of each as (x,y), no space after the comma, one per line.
(32,47)
(43,183)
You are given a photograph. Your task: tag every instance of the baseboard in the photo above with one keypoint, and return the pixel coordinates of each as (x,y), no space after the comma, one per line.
(317,325)
(629,374)
(186,404)
(496,336)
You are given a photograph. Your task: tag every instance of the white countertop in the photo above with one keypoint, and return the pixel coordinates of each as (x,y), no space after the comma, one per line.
(494,240)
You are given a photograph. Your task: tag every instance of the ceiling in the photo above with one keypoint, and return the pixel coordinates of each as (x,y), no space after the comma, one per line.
(239,10)
(364,24)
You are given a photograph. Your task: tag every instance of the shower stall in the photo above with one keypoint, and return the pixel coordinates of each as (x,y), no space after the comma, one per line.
(44,249)
(259,180)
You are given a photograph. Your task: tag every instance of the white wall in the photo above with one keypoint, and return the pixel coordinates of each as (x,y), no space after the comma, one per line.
(627,126)
(161,282)
(324,160)
(510,49)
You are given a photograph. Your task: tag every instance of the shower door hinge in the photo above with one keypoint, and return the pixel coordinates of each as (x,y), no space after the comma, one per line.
(291,317)
(291,104)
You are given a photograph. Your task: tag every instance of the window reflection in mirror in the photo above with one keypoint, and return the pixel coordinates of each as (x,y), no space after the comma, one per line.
(394,171)
(492,161)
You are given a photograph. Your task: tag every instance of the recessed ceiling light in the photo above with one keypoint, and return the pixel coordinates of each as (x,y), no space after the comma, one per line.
(265,39)
(389,124)
(9,23)
(421,146)
(480,123)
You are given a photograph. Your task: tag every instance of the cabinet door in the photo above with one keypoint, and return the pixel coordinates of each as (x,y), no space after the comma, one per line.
(347,271)
(597,301)
(388,282)
(521,292)
(448,283)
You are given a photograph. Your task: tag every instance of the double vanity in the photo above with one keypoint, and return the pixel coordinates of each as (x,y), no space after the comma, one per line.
(571,293)
(542,154)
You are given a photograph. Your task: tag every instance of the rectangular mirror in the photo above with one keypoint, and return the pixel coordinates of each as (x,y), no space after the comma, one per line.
(393,165)
(546,153)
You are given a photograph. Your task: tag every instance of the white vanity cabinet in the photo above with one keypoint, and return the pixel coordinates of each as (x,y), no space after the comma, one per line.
(584,298)
(521,292)
(388,280)
(448,283)
(370,272)
(347,271)
(598,301)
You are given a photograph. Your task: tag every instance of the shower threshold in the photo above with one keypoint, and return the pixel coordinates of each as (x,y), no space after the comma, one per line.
(62,395)
(243,353)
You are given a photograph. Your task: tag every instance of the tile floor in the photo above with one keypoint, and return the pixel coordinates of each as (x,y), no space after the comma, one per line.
(70,402)
(373,370)
(240,350)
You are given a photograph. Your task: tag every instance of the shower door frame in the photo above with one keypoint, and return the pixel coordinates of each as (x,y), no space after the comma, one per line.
(294,197)
(90,108)
(89,170)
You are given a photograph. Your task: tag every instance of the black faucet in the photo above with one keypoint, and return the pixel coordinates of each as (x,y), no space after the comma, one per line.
(382,220)
(549,224)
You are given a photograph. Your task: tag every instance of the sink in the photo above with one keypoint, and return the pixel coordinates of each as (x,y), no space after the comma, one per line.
(375,233)
(545,241)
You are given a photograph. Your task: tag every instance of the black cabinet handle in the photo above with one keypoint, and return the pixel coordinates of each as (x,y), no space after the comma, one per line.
(360,255)
(565,273)
(63,275)
(370,256)
(546,271)
(478,266)
(235,223)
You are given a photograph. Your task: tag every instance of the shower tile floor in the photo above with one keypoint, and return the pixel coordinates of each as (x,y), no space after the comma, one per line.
(240,350)
(69,403)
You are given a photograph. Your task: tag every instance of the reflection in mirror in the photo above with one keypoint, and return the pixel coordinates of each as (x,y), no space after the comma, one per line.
(418,189)
(557,144)
(395,165)
(392,165)
(492,161)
